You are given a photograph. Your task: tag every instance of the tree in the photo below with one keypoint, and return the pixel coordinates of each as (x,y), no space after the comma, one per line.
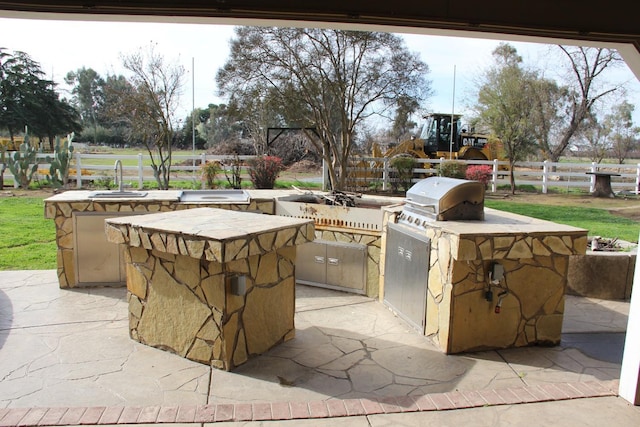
(504,104)
(549,103)
(586,65)
(402,123)
(623,134)
(52,116)
(256,117)
(146,106)
(185,135)
(27,99)
(329,80)
(88,96)
(220,126)
(595,135)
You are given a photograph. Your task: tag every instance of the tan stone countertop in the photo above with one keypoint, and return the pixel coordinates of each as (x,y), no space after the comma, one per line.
(158,195)
(498,222)
(83,196)
(213,234)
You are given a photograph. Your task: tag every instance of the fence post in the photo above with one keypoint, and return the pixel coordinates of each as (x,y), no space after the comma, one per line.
(385,173)
(78,170)
(494,176)
(203,161)
(592,185)
(140,172)
(637,179)
(545,176)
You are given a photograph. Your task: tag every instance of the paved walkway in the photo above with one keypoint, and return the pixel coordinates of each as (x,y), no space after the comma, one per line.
(66,359)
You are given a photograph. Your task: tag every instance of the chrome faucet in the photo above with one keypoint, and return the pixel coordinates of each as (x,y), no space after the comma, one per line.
(118,178)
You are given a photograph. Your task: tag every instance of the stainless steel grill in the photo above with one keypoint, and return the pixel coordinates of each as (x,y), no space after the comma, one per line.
(443,199)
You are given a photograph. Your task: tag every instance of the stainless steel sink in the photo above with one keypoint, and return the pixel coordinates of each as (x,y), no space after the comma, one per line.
(117,194)
(214,196)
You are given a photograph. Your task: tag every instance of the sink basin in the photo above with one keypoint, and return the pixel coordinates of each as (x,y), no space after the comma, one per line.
(117,194)
(214,196)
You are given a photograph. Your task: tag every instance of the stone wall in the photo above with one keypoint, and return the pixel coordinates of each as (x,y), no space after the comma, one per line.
(189,306)
(459,317)
(604,275)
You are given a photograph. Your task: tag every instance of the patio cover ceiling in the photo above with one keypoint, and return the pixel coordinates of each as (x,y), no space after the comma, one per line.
(613,23)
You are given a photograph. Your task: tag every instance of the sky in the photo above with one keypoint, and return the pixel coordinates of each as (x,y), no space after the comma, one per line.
(63,46)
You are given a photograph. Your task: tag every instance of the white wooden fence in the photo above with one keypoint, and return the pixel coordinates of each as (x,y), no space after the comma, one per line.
(90,168)
(544,175)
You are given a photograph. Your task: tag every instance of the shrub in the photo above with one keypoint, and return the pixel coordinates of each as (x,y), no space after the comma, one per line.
(453,169)
(264,170)
(403,166)
(209,172)
(232,168)
(480,173)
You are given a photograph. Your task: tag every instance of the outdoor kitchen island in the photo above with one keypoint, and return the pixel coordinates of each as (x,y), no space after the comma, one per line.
(471,278)
(212,285)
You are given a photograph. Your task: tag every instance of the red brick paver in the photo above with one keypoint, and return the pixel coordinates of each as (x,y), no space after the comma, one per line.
(354,407)
(33,417)
(318,409)
(167,414)
(22,417)
(243,412)
(299,410)
(281,411)
(262,412)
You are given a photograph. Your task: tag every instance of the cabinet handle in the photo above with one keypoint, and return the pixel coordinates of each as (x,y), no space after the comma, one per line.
(334,261)
(319,259)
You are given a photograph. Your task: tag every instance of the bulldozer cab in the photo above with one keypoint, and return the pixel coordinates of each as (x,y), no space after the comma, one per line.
(437,133)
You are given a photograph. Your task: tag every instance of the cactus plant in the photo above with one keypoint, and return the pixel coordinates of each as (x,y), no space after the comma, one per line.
(60,163)
(23,163)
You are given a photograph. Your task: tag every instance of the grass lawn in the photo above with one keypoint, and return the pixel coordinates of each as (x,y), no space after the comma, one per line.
(27,239)
(599,222)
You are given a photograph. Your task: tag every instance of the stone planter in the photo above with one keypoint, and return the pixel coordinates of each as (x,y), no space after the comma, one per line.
(604,275)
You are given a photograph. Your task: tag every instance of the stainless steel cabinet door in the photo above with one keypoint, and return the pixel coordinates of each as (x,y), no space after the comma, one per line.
(333,265)
(406,274)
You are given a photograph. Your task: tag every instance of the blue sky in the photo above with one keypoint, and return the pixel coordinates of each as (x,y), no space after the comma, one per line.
(62,46)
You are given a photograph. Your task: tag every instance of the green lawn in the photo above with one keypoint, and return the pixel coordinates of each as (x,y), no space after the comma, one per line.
(27,239)
(599,222)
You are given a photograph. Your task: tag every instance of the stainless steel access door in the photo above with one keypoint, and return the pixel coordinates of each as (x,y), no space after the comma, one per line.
(334,265)
(97,261)
(406,274)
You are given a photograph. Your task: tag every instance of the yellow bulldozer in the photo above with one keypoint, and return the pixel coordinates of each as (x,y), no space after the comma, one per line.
(437,141)
(442,136)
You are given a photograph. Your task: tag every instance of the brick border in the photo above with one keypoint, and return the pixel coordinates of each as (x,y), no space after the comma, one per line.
(265,411)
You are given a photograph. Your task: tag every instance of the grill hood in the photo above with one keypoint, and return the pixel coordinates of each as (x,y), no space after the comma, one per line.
(446,199)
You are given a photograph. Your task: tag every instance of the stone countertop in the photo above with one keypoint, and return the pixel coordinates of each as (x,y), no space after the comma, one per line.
(213,234)
(157,195)
(498,222)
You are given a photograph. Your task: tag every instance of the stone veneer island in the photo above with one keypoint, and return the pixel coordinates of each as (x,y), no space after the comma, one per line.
(214,286)
(534,255)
